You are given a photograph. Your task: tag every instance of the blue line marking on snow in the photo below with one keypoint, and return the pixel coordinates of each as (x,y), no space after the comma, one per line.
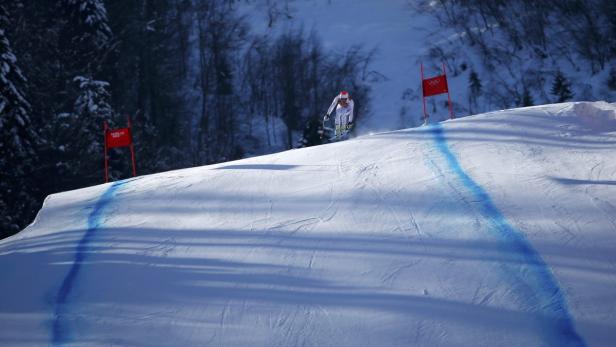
(545,287)
(61,333)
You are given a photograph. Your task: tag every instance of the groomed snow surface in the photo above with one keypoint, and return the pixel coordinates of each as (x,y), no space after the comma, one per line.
(491,230)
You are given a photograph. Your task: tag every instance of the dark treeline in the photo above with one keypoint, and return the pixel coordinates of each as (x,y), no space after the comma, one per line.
(199,86)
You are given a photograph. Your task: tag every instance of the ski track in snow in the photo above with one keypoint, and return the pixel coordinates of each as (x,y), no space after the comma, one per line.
(559,324)
(61,333)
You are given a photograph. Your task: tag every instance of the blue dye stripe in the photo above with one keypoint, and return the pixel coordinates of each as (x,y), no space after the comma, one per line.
(545,286)
(61,333)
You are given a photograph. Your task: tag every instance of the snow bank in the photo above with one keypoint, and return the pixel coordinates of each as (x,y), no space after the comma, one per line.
(592,116)
(599,112)
(496,229)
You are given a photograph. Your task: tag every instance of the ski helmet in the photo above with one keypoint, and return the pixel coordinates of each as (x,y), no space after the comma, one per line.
(344,95)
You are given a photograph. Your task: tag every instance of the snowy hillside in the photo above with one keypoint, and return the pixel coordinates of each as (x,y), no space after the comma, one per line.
(397,33)
(405,33)
(496,229)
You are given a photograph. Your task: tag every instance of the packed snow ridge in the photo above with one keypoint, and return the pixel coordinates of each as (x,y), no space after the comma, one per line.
(492,230)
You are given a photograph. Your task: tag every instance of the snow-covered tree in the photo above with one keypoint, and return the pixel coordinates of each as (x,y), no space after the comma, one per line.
(78,136)
(93,102)
(90,18)
(85,35)
(16,137)
(13,105)
(91,109)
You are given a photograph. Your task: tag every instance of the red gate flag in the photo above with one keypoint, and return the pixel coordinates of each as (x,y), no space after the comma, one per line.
(435,86)
(118,138)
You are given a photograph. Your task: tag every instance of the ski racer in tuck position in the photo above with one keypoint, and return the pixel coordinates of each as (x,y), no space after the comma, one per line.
(344,114)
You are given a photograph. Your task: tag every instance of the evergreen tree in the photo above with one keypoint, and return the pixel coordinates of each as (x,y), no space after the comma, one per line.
(611,81)
(78,137)
(17,140)
(527,98)
(78,35)
(89,19)
(474,86)
(561,88)
(85,34)
(474,83)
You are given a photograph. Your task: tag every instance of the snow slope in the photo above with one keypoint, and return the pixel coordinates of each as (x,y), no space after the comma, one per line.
(496,229)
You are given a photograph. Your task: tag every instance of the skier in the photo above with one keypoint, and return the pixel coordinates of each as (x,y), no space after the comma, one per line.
(344,113)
